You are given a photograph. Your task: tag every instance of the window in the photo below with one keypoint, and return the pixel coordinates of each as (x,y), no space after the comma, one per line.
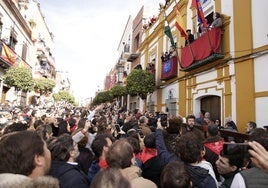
(136,42)
(24,51)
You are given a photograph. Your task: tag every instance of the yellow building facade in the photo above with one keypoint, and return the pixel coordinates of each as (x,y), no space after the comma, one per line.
(234,86)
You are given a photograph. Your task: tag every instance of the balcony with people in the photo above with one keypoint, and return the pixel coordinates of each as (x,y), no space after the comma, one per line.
(207,45)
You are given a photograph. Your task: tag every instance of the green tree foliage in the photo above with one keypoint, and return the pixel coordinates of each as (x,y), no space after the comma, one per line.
(118,90)
(64,95)
(103,97)
(140,82)
(19,77)
(44,84)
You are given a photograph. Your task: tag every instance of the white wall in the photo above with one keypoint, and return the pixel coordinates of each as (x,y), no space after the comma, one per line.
(259,22)
(261,111)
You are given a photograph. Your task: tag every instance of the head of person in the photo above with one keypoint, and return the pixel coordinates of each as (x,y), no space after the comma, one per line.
(15,127)
(64,127)
(218,122)
(175,175)
(143,120)
(101,144)
(190,120)
(174,125)
(257,133)
(150,141)
(190,148)
(63,148)
(110,177)
(135,143)
(207,115)
(230,161)
(202,113)
(37,123)
(120,154)
(216,15)
(26,154)
(45,131)
(82,122)
(188,31)
(212,130)
(250,126)
(72,121)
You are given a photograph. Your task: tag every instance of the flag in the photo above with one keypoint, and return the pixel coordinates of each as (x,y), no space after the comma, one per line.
(200,14)
(168,32)
(179,24)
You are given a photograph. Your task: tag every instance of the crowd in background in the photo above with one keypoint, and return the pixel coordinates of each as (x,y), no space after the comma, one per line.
(109,146)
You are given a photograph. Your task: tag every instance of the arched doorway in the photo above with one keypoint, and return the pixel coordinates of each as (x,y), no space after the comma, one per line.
(211,104)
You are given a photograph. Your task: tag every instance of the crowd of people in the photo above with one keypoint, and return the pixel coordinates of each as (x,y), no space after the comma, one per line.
(109,146)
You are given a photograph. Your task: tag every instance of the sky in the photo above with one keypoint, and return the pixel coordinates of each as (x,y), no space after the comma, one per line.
(86,37)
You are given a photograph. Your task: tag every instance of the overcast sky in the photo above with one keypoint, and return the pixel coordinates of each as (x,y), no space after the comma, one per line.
(87,34)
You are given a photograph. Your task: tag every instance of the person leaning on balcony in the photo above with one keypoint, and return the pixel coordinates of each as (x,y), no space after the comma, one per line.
(217,20)
(190,37)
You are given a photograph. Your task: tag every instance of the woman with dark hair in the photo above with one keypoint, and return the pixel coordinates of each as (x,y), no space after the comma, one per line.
(217,20)
(63,126)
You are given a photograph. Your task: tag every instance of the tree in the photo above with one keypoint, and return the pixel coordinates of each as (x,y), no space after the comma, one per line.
(118,90)
(64,95)
(140,82)
(103,97)
(19,77)
(44,85)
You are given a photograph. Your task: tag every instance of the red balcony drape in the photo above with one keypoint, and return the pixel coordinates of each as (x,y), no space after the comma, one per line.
(201,48)
(170,68)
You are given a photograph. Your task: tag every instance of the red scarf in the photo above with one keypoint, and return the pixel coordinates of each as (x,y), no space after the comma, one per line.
(103,164)
(147,153)
(216,147)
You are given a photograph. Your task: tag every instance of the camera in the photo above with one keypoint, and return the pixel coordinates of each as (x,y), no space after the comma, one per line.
(231,148)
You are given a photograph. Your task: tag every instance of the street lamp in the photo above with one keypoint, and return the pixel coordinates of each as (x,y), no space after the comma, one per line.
(120,71)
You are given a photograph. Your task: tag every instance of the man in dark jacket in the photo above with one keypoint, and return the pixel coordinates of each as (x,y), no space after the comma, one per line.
(192,127)
(213,145)
(100,146)
(190,37)
(230,162)
(64,152)
(151,166)
(190,152)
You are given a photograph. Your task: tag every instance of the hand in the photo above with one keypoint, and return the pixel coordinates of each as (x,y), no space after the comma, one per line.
(159,126)
(259,155)
(100,107)
(87,125)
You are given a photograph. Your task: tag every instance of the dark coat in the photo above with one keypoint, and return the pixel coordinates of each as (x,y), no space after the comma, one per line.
(93,170)
(163,153)
(84,159)
(152,169)
(70,176)
(200,177)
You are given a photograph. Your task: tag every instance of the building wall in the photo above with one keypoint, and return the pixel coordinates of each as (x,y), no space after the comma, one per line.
(241,82)
(18,14)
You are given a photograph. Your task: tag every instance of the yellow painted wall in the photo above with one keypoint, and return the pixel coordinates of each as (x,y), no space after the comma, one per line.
(244,70)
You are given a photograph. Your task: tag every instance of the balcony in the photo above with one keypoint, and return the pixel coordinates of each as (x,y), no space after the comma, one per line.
(10,58)
(133,57)
(169,68)
(203,50)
